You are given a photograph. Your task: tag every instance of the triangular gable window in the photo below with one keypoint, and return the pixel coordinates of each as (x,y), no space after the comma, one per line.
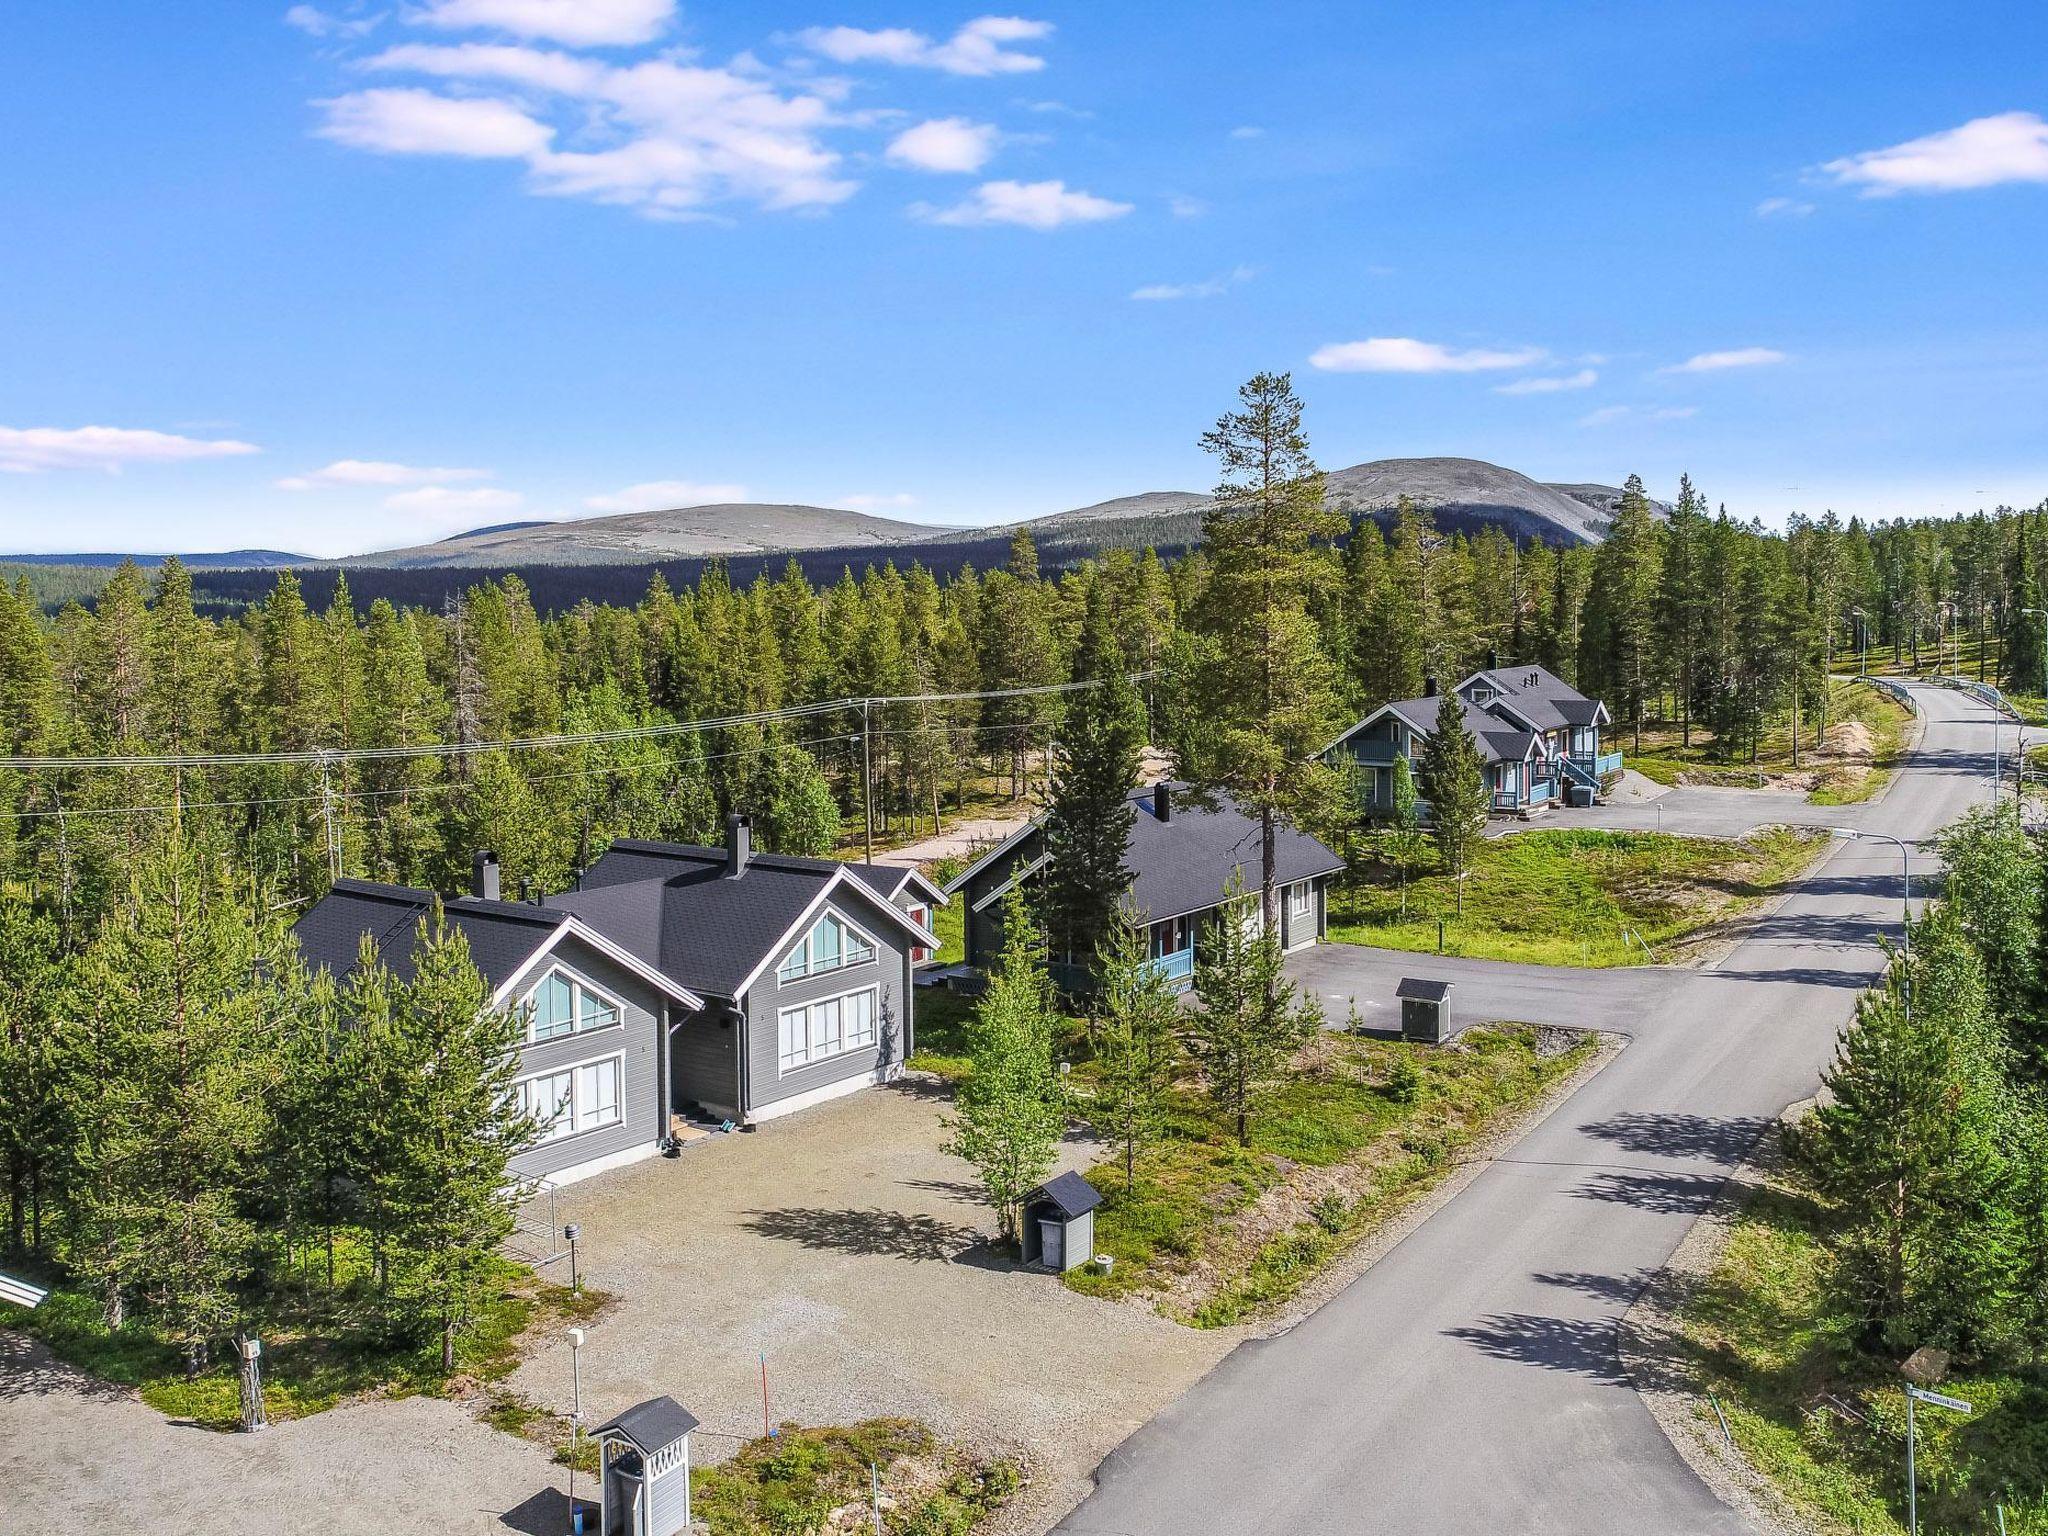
(832,945)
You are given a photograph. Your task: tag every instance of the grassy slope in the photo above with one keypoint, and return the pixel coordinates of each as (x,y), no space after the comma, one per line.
(795,1480)
(1564,896)
(304,1369)
(1766,1341)
(1218,1233)
(1665,757)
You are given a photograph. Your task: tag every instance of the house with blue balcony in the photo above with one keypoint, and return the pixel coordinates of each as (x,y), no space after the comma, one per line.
(1539,737)
(1182,858)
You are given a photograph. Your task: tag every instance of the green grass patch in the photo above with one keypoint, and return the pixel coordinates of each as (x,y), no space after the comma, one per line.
(319,1349)
(942,1016)
(796,1481)
(1839,776)
(1567,896)
(1766,1337)
(950,924)
(1362,1125)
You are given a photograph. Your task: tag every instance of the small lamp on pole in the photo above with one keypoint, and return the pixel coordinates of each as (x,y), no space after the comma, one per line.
(575,1424)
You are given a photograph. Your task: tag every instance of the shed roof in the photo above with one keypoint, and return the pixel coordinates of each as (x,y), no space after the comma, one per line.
(1423,991)
(1071,1194)
(652,1426)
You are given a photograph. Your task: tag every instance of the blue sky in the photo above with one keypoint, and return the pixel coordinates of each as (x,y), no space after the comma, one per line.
(363,274)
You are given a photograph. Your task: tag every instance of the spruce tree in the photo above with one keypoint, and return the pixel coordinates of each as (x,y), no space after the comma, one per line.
(1089,813)
(1454,783)
(1251,1021)
(1136,1013)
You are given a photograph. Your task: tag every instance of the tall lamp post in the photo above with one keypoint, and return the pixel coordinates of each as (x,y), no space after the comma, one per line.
(575,1423)
(2019,752)
(1856,834)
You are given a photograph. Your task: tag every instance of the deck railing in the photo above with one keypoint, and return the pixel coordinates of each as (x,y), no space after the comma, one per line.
(1178,966)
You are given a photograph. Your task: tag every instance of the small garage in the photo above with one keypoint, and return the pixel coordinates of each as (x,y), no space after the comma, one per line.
(644,1470)
(1425,1010)
(1059,1223)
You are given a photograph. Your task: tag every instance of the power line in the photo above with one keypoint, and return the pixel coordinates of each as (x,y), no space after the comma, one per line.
(329,756)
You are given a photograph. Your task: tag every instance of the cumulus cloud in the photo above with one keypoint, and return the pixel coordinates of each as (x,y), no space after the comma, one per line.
(1734,357)
(439,501)
(667,138)
(944,144)
(32,450)
(659,495)
(984,46)
(1404,354)
(1984,152)
(579,23)
(378,472)
(1585,378)
(1209,289)
(1033,204)
(413,122)
(1783,208)
(314,22)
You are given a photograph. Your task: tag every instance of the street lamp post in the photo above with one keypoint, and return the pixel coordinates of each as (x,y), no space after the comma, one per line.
(575,1422)
(2020,751)
(1855,834)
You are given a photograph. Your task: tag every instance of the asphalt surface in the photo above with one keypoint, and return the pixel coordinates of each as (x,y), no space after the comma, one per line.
(1468,1381)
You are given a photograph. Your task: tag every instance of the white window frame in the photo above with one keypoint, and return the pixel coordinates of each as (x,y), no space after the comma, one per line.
(810,1049)
(583,1115)
(579,989)
(811,967)
(1301,898)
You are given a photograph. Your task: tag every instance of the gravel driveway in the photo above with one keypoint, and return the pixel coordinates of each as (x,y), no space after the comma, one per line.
(848,1248)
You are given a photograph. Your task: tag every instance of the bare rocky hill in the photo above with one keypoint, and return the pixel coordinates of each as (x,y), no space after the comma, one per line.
(632,538)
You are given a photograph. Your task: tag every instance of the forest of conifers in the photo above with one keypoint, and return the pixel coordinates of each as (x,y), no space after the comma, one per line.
(1697,618)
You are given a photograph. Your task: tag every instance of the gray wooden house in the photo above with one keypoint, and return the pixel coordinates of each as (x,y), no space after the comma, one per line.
(1538,736)
(1182,858)
(677,980)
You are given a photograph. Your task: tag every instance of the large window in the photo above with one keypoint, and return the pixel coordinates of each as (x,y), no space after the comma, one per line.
(832,944)
(831,1027)
(585,1097)
(1301,899)
(563,1004)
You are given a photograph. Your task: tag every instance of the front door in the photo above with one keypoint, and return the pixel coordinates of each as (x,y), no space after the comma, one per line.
(1052,1244)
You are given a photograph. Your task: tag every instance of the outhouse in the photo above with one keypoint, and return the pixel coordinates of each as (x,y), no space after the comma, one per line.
(1425,1010)
(643,1478)
(1059,1223)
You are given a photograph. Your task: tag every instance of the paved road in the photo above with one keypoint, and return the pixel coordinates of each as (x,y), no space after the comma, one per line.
(1468,1382)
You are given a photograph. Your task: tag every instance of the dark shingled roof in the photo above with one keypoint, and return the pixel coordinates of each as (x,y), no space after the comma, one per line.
(1539,696)
(673,906)
(652,1426)
(1423,991)
(1069,1192)
(1499,741)
(502,935)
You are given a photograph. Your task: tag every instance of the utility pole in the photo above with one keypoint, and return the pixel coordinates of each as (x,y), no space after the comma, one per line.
(327,815)
(867,775)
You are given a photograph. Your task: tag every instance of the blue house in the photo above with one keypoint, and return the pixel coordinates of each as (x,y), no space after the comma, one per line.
(1538,736)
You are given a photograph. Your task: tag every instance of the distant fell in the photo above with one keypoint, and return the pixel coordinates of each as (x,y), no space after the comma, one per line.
(226,559)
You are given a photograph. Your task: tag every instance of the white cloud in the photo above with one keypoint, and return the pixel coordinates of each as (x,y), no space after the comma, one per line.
(1033,204)
(1985,152)
(412,122)
(1585,378)
(1404,354)
(1248,131)
(1734,357)
(1183,207)
(440,501)
(1783,208)
(1608,414)
(888,501)
(354,472)
(579,23)
(660,495)
(1212,288)
(1674,413)
(30,450)
(1056,109)
(944,144)
(981,47)
(667,138)
(314,22)
(1603,416)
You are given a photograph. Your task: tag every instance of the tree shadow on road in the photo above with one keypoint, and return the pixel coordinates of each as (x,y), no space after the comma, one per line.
(1669,1194)
(1621,1288)
(1580,1346)
(892,1234)
(1717,1138)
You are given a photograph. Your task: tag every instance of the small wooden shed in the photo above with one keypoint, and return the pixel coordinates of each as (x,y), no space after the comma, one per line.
(644,1470)
(1425,1010)
(1059,1223)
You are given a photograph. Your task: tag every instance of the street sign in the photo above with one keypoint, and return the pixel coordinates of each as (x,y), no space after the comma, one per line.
(1955,1403)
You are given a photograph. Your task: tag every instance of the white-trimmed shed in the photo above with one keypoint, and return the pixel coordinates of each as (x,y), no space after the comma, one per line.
(644,1469)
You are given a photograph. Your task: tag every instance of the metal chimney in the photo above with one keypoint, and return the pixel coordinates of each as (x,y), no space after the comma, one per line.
(1162,800)
(1429,687)
(483,874)
(739,845)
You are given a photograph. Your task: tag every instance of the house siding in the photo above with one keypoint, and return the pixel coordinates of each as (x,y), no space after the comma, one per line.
(888,973)
(704,1060)
(636,1038)
(984,929)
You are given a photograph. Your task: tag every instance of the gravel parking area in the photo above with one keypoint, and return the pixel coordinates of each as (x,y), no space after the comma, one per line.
(848,1248)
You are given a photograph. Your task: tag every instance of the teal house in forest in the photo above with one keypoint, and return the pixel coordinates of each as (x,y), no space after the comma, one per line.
(1539,738)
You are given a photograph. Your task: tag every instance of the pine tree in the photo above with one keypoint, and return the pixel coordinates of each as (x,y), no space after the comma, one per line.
(1265,689)
(1089,813)
(1010,1112)
(1251,1021)
(1454,783)
(37,1050)
(1136,1014)
(1403,836)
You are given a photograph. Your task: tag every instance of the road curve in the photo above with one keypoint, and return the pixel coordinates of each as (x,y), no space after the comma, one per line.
(1468,1382)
